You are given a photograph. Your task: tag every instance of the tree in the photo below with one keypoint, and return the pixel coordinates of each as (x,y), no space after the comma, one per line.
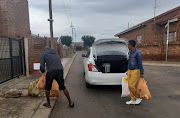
(66,40)
(88,40)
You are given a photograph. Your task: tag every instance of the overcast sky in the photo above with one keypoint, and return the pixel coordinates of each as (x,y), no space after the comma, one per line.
(100,18)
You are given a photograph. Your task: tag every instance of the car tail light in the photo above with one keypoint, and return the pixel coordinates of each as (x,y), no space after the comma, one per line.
(92,68)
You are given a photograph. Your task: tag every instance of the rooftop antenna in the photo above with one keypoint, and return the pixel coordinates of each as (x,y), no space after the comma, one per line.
(155,7)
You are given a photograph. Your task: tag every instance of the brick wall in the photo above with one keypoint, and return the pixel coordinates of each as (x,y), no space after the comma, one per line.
(38,44)
(158,52)
(60,50)
(153,46)
(14,18)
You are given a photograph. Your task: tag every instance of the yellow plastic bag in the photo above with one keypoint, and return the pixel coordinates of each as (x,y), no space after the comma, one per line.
(33,91)
(55,90)
(42,82)
(142,89)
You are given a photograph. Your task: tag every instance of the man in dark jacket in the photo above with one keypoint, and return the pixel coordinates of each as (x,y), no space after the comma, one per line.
(54,71)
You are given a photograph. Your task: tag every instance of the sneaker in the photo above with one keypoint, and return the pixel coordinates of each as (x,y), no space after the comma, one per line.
(138,100)
(130,102)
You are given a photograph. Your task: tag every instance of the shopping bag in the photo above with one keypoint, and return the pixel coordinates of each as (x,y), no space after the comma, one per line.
(33,91)
(42,82)
(142,89)
(54,92)
(125,88)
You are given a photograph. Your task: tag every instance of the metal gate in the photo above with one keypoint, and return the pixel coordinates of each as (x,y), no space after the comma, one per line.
(12,58)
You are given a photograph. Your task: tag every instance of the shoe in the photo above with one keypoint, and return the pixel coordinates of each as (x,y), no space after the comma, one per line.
(130,102)
(71,105)
(138,100)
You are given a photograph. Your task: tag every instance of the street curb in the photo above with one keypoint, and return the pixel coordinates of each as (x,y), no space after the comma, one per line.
(162,65)
(42,112)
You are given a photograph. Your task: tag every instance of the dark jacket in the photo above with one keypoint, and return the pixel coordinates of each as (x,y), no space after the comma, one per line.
(135,61)
(52,61)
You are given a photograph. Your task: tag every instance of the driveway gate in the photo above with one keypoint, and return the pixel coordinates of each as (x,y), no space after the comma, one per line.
(12,58)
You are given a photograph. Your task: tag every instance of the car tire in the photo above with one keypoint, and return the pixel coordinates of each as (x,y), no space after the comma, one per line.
(88,85)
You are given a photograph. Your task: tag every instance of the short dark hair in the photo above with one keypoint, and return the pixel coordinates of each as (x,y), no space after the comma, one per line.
(132,42)
(47,48)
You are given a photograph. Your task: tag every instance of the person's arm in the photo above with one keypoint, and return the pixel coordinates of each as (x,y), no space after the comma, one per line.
(42,63)
(139,59)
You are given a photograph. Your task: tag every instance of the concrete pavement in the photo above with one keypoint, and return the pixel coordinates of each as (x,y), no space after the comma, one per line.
(161,63)
(26,106)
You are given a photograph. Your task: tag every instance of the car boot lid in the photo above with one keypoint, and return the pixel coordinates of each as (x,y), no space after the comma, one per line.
(111,41)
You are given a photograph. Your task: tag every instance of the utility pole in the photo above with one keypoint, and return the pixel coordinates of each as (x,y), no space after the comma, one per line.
(72,31)
(75,40)
(51,24)
(167,41)
(128,25)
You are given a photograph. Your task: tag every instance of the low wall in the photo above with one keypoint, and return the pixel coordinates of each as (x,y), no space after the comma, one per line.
(67,51)
(158,51)
(38,45)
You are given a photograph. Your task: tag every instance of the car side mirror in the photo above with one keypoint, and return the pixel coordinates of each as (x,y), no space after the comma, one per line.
(83,55)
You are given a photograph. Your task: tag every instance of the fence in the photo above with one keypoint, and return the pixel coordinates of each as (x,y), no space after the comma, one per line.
(12,58)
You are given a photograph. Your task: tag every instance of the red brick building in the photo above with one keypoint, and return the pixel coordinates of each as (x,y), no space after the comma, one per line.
(151,36)
(14,18)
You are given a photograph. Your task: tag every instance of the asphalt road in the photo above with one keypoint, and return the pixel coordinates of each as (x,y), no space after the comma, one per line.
(106,101)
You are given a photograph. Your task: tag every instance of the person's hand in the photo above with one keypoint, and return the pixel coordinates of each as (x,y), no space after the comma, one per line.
(141,75)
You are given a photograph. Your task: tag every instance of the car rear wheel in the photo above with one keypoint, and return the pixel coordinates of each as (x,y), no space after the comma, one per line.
(88,85)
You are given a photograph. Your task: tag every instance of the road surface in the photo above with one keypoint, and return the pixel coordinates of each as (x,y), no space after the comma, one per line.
(106,101)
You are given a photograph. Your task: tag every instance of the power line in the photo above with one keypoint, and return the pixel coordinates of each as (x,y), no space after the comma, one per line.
(69,8)
(62,5)
(66,11)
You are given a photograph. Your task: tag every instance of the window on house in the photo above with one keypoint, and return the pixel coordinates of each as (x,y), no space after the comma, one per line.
(172,36)
(139,39)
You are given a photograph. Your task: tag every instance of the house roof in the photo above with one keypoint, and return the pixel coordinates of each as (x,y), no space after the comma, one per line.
(157,18)
(130,29)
